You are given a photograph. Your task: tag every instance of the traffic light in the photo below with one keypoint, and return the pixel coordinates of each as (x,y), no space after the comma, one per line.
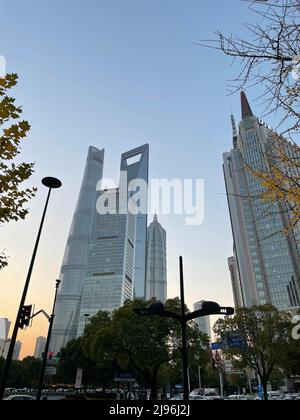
(58,356)
(25,316)
(50,356)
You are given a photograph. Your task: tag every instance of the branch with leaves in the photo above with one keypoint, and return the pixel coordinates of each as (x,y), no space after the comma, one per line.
(268,58)
(13,131)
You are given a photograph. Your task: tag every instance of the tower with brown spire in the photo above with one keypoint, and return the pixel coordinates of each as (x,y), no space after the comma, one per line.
(246,108)
(266,261)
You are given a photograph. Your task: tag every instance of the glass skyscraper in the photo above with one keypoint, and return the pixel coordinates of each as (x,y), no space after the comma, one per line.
(266,264)
(203,323)
(4,328)
(75,260)
(105,257)
(156,274)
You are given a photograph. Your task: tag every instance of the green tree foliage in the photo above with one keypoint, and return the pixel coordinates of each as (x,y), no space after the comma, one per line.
(23,374)
(31,369)
(72,358)
(13,131)
(266,333)
(149,346)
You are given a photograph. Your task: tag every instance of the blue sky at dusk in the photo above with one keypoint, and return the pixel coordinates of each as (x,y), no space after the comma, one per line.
(117,74)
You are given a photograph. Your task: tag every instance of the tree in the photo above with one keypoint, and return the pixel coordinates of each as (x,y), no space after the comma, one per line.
(129,341)
(31,368)
(13,199)
(264,336)
(72,358)
(143,345)
(16,375)
(270,58)
(237,381)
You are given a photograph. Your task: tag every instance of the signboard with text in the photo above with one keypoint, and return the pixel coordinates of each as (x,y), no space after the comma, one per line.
(125,377)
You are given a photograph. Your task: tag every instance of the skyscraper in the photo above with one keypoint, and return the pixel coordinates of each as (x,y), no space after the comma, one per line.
(105,257)
(5,348)
(156,274)
(39,347)
(4,328)
(75,260)
(267,263)
(235,282)
(117,253)
(203,322)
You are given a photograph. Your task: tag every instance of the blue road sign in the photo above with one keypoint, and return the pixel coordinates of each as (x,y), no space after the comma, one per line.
(216,346)
(233,340)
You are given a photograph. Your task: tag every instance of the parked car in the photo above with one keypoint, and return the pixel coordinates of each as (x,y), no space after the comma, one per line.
(20,398)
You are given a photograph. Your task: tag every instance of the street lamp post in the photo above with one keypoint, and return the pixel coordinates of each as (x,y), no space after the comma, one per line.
(207,308)
(199,377)
(50,183)
(45,357)
(185,367)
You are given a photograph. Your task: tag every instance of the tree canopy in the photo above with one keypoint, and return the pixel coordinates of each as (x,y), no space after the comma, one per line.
(264,339)
(13,131)
(149,347)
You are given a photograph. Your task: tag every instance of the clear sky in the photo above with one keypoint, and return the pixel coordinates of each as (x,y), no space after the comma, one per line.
(117,74)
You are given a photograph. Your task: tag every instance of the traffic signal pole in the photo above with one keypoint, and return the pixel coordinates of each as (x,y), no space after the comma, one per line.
(45,358)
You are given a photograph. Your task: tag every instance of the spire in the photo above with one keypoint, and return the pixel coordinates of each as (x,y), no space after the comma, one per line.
(234,132)
(246,109)
(155,218)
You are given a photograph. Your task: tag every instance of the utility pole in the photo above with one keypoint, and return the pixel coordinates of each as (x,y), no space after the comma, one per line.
(185,367)
(45,358)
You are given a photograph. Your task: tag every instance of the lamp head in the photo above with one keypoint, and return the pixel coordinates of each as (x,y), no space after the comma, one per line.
(156,308)
(51,182)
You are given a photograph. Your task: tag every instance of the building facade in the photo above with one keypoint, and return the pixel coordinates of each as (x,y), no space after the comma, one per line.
(105,259)
(117,254)
(203,323)
(75,260)
(235,282)
(4,348)
(4,328)
(156,272)
(266,265)
(40,347)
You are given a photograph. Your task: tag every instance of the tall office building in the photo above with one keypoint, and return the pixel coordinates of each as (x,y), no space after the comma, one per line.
(4,328)
(156,273)
(235,282)
(117,253)
(266,268)
(75,260)
(40,347)
(203,322)
(105,257)
(4,348)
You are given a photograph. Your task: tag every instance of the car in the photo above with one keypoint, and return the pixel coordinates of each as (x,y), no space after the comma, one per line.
(199,398)
(290,397)
(20,398)
(236,397)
